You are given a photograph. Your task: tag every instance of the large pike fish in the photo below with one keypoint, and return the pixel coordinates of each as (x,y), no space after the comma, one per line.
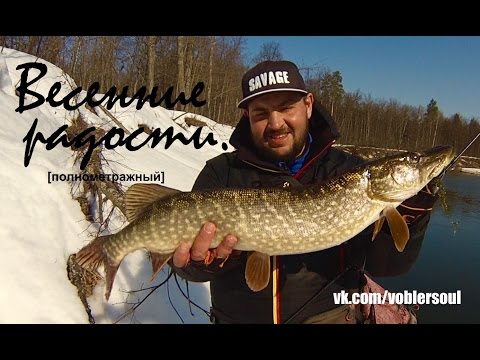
(271,221)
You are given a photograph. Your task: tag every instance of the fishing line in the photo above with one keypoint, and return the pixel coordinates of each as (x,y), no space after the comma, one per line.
(458,156)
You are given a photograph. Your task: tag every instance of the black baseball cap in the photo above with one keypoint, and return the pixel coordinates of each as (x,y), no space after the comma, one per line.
(270,76)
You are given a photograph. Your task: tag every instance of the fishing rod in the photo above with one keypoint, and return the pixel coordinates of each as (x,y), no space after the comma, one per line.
(458,157)
(435,184)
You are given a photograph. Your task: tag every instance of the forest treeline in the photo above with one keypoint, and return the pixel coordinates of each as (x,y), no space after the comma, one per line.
(219,62)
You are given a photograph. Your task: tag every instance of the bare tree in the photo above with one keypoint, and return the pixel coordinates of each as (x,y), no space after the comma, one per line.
(181,51)
(152,41)
(210,73)
(268,51)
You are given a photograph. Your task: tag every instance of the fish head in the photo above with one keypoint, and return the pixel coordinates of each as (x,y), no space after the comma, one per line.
(398,177)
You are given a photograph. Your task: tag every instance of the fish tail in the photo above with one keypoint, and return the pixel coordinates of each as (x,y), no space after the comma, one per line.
(93,255)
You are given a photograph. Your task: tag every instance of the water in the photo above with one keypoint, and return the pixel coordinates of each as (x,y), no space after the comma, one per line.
(449,259)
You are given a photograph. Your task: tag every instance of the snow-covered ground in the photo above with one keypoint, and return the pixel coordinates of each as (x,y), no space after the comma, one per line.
(474,171)
(41,223)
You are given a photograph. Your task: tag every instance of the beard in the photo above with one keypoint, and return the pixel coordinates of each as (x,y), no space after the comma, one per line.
(272,154)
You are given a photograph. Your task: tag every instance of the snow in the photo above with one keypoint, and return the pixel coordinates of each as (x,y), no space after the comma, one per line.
(41,223)
(473,171)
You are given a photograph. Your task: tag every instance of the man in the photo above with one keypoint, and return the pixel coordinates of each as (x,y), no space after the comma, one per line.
(284,139)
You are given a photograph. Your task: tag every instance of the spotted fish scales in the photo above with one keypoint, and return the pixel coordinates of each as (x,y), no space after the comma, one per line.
(270,221)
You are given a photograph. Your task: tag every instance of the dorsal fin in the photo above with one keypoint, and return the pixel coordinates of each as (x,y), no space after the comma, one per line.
(139,196)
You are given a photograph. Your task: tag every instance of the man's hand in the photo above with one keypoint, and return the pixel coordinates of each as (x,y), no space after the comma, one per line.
(199,251)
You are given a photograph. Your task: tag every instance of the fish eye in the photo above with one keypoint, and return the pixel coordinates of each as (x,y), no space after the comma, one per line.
(413,157)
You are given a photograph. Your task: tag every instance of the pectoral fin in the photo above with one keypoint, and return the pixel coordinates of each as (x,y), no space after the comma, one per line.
(158,260)
(257,271)
(398,228)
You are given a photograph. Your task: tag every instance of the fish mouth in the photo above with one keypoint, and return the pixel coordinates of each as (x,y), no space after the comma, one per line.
(437,159)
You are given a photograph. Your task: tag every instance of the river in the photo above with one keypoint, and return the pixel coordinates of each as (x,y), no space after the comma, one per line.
(450,256)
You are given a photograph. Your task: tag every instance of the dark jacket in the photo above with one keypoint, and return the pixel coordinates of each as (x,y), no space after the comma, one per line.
(300,276)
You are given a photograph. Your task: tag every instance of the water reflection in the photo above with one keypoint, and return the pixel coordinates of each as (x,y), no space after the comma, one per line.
(462,194)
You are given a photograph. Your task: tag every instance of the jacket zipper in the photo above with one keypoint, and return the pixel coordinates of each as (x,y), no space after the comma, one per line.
(276,259)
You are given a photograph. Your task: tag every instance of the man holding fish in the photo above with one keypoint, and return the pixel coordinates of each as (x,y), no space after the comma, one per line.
(284,140)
